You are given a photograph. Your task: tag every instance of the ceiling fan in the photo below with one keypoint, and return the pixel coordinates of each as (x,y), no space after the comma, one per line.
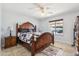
(42,8)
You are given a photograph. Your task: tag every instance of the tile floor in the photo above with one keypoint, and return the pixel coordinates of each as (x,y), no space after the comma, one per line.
(68,50)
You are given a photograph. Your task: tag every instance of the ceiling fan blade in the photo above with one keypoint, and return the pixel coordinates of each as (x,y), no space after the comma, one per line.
(39,6)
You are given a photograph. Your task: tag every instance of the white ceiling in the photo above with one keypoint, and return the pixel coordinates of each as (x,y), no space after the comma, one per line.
(33,10)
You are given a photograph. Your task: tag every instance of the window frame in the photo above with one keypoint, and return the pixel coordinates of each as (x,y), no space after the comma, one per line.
(55,21)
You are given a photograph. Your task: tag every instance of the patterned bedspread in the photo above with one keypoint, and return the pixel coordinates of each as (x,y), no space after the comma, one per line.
(27,36)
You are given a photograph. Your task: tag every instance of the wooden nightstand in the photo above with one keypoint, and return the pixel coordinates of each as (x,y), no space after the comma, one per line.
(10,41)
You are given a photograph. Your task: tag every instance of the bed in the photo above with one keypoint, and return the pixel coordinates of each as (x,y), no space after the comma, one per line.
(32,40)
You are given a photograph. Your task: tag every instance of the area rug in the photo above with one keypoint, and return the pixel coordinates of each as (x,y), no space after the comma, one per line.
(52,51)
(22,51)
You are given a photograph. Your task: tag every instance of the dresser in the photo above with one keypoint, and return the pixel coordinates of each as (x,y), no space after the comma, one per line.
(10,41)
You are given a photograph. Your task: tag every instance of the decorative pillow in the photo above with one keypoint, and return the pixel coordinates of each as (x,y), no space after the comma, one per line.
(22,37)
(25,36)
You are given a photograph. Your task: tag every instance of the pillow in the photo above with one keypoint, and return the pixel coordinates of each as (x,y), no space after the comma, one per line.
(25,36)
(25,30)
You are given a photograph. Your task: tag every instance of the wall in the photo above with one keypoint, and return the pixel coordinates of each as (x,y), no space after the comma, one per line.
(0,26)
(10,19)
(68,25)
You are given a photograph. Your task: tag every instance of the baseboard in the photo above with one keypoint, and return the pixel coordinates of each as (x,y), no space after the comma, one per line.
(66,42)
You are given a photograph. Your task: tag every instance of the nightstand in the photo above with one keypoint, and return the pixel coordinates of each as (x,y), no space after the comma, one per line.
(10,41)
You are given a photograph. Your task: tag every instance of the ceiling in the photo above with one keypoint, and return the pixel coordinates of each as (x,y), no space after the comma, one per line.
(41,10)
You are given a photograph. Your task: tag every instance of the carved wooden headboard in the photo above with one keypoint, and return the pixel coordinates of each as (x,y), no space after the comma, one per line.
(26,25)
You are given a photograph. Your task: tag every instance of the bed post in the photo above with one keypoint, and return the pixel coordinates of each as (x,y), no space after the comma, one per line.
(33,47)
(53,39)
(17,32)
(16,28)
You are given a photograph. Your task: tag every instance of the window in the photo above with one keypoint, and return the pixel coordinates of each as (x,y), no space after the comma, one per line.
(57,26)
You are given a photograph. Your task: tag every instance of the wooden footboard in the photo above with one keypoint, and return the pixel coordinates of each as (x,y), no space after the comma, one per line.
(42,42)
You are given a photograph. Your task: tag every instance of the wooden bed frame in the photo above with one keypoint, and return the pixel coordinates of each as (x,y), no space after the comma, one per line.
(41,43)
